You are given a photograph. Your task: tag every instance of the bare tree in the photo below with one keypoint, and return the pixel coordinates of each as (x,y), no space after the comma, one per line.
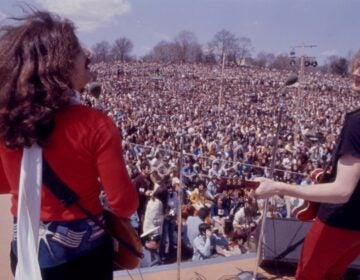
(245,47)
(190,50)
(122,48)
(224,43)
(209,58)
(101,51)
(338,65)
(281,62)
(264,59)
(166,52)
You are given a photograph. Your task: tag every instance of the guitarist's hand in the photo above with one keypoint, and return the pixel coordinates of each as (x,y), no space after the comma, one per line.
(266,188)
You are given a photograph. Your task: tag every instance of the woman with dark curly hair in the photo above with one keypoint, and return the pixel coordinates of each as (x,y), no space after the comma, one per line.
(42,68)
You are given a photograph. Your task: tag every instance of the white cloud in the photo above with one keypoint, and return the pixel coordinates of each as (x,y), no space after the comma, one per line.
(88,14)
(329,52)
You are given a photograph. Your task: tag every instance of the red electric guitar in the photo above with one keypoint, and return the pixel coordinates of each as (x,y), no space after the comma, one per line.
(308,209)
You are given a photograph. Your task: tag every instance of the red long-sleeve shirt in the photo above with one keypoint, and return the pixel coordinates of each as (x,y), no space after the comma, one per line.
(84,146)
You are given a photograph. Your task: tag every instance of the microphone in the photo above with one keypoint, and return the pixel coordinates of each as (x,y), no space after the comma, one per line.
(95,89)
(291,80)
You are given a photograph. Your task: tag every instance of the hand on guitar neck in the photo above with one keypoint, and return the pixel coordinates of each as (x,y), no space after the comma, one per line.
(304,212)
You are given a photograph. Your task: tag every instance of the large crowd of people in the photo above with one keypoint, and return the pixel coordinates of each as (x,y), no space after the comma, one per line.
(200,132)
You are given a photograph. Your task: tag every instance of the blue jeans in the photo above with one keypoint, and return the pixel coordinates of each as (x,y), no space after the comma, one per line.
(94,265)
(169,227)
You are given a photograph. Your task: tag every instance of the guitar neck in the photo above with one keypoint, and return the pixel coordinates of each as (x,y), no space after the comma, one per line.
(238,183)
(250,184)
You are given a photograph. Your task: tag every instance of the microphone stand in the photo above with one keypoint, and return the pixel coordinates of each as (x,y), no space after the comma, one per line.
(271,175)
(180,199)
(246,275)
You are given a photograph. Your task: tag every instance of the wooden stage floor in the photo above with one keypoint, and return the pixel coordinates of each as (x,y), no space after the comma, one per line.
(231,268)
(213,269)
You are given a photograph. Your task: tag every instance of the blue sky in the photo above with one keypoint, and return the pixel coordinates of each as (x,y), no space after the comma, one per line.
(272,25)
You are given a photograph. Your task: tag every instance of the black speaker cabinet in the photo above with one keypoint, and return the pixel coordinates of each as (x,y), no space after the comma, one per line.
(283,239)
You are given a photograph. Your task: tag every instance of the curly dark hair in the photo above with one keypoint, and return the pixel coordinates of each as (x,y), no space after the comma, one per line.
(36,58)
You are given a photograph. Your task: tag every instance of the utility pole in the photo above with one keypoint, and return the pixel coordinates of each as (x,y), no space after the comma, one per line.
(300,94)
(302,59)
(221,83)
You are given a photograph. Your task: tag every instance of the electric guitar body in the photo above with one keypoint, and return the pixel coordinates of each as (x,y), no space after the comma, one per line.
(308,210)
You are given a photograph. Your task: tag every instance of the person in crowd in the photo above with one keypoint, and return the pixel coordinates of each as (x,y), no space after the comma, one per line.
(218,213)
(187,210)
(193,222)
(156,162)
(169,230)
(156,179)
(212,188)
(222,240)
(145,188)
(237,200)
(43,67)
(94,92)
(151,240)
(155,210)
(197,197)
(280,203)
(334,237)
(215,171)
(245,222)
(188,173)
(202,243)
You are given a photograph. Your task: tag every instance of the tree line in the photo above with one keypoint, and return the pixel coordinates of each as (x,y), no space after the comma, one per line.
(224,47)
